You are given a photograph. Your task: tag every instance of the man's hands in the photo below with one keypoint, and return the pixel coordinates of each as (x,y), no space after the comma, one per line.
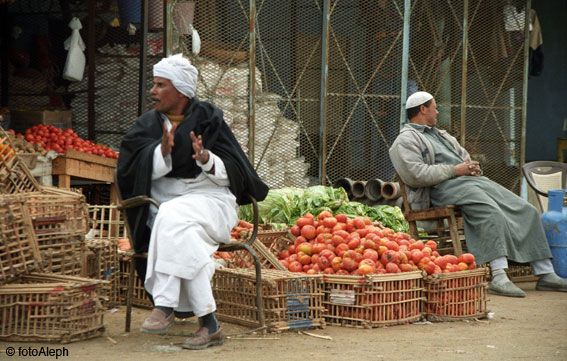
(468,167)
(201,154)
(167,144)
(167,140)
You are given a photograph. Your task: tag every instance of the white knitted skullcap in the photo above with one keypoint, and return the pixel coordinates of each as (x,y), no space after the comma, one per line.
(180,72)
(417,99)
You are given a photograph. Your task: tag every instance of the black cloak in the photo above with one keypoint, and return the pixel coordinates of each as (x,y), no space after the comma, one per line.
(135,161)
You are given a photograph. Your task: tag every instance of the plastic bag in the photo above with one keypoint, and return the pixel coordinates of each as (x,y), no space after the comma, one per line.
(195,40)
(75,63)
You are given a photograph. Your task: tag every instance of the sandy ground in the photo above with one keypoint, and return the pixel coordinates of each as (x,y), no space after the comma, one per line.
(533,328)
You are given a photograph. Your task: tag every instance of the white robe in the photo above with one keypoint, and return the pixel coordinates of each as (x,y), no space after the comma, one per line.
(195,215)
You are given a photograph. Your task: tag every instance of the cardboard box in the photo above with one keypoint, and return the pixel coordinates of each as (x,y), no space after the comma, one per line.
(24,119)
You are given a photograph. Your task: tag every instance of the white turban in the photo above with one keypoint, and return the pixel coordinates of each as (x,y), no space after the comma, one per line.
(180,72)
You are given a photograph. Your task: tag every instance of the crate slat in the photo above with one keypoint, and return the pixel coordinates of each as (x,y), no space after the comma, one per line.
(19,252)
(290,300)
(457,296)
(373,300)
(42,307)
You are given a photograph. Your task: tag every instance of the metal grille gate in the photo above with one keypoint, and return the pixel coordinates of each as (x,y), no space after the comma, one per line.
(330,78)
(330,84)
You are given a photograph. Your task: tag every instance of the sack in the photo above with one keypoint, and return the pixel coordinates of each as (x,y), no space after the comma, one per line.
(75,63)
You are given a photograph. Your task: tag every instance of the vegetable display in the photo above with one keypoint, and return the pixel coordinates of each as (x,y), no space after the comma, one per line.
(287,205)
(59,140)
(354,246)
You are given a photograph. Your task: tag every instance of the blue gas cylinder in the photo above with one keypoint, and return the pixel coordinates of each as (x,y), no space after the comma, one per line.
(555,226)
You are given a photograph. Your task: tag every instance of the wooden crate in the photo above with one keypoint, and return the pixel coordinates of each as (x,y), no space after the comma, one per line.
(518,272)
(55,308)
(57,214)
(373,300)
(107,222)
(456,296)
(102,264)
(84,166)
(268,244)
(19,253)
(60,221)
(140,297)
(66,257)
(15,176)
(290,300)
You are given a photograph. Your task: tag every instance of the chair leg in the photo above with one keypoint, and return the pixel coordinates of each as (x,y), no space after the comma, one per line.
(259,300)
(413,230)
(129,293)
(453,229)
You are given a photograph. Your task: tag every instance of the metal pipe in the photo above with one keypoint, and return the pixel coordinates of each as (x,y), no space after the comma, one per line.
(464,71)
(324,88)
(525,83)
(91,48)
(405,62)
(168,27)
(252,81)
(143,59)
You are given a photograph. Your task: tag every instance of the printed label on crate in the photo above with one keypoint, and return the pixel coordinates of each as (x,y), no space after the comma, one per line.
(342,297)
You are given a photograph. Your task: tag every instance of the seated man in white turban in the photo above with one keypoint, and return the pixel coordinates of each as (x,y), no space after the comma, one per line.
(184,155)
(499,225)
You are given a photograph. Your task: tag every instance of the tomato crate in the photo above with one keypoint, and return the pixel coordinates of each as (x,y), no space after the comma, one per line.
(42,307)
(15,177)
(140,297)
(267,245)
(373,300)
(290,300)
(102,264)
(457,296)
(19,253)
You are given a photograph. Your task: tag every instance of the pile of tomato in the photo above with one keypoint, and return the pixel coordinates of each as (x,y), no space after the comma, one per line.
(341,245)
(59,140)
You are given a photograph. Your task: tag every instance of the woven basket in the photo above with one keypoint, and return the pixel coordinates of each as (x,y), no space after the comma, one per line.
(15,176)
(457,296)
(140,297)
(102,264)
(50,308)
(268,244)
(57,214)
(108,222)
(373,300)
(290,300)
(19,253)
(60,221)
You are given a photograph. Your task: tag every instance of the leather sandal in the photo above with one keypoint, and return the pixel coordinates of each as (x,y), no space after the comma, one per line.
(203,339)
(157,323)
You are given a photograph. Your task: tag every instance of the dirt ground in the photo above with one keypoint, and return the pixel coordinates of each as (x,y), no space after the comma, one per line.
(533,328)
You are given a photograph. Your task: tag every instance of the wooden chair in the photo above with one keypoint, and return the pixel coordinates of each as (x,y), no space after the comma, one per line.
(230,247)
(447,231)
(543,176)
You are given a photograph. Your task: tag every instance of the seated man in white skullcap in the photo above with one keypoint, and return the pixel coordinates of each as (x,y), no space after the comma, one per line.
(499,225)
(184,155)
